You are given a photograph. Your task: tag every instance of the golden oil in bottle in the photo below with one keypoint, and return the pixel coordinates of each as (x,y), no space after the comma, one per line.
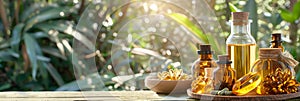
(205,60)
(240,44)
(224,76)
(242,57)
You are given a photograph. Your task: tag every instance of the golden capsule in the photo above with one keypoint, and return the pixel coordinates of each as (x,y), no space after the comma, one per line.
(281,90)
(291,83)
(246,84)
(280,85)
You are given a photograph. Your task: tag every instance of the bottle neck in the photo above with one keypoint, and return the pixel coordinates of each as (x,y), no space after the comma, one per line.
(269,56)
(237,29)
(224,65)
(276,45)
(205,56)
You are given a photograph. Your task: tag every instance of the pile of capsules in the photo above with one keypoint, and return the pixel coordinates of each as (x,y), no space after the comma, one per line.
(281,82)
(173,74)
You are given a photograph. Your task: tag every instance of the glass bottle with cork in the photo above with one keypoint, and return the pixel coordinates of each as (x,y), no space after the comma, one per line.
(240,44)
(267,64)
(276,41)
(205,60)
(224,76)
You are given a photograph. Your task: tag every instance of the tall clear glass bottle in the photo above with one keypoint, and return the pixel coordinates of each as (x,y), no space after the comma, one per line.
(240,44)
(205,60)
(276,41)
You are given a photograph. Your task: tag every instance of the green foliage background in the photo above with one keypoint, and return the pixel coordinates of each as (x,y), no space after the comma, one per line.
(36,40)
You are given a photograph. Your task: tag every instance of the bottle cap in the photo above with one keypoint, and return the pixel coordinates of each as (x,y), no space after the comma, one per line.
(276,37)
(240,18)
(204,49)
(224,59)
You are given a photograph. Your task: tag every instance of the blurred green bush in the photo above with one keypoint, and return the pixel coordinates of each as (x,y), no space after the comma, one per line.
(36,39)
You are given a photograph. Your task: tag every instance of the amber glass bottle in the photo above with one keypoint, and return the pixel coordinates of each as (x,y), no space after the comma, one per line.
(240,44)
(205,60)
(224,76)
(203,85)
(267,64)
(276,41)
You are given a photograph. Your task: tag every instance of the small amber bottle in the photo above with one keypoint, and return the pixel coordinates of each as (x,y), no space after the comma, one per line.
(276,41)
(205,60)
(224,75)
(203,85)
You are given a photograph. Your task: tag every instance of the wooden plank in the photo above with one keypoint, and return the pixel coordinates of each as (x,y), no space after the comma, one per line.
(103,95)
(58,99)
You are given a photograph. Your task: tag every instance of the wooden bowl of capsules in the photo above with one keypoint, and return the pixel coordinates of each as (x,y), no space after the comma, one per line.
(171,81)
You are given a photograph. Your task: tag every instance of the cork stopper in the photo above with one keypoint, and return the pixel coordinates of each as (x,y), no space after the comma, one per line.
(204,49)
(269,51)
(224,59)
(276,37)
(240,18)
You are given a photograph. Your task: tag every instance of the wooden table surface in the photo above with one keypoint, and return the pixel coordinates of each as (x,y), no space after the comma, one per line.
(87,95)
(92,95)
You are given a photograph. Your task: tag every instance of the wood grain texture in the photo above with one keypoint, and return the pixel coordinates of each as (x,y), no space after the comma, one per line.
(243,98)
(76,95)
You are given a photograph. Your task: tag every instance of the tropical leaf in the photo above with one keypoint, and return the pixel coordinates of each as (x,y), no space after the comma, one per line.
(30,43)
(46,15)
(72,86)
(296,10)
(54,73)
(54,52)
(44,74)
(5,86)
(184,20)
(28,12)
(214,44)
(251,7)
(275,19)
(8,55)
(43,58)
(16,37)
(233,8)
(5,44)
(287,15)
(66,27)
(37,35)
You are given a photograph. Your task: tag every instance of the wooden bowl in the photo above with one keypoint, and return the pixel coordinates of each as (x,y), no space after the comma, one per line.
(167,86)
